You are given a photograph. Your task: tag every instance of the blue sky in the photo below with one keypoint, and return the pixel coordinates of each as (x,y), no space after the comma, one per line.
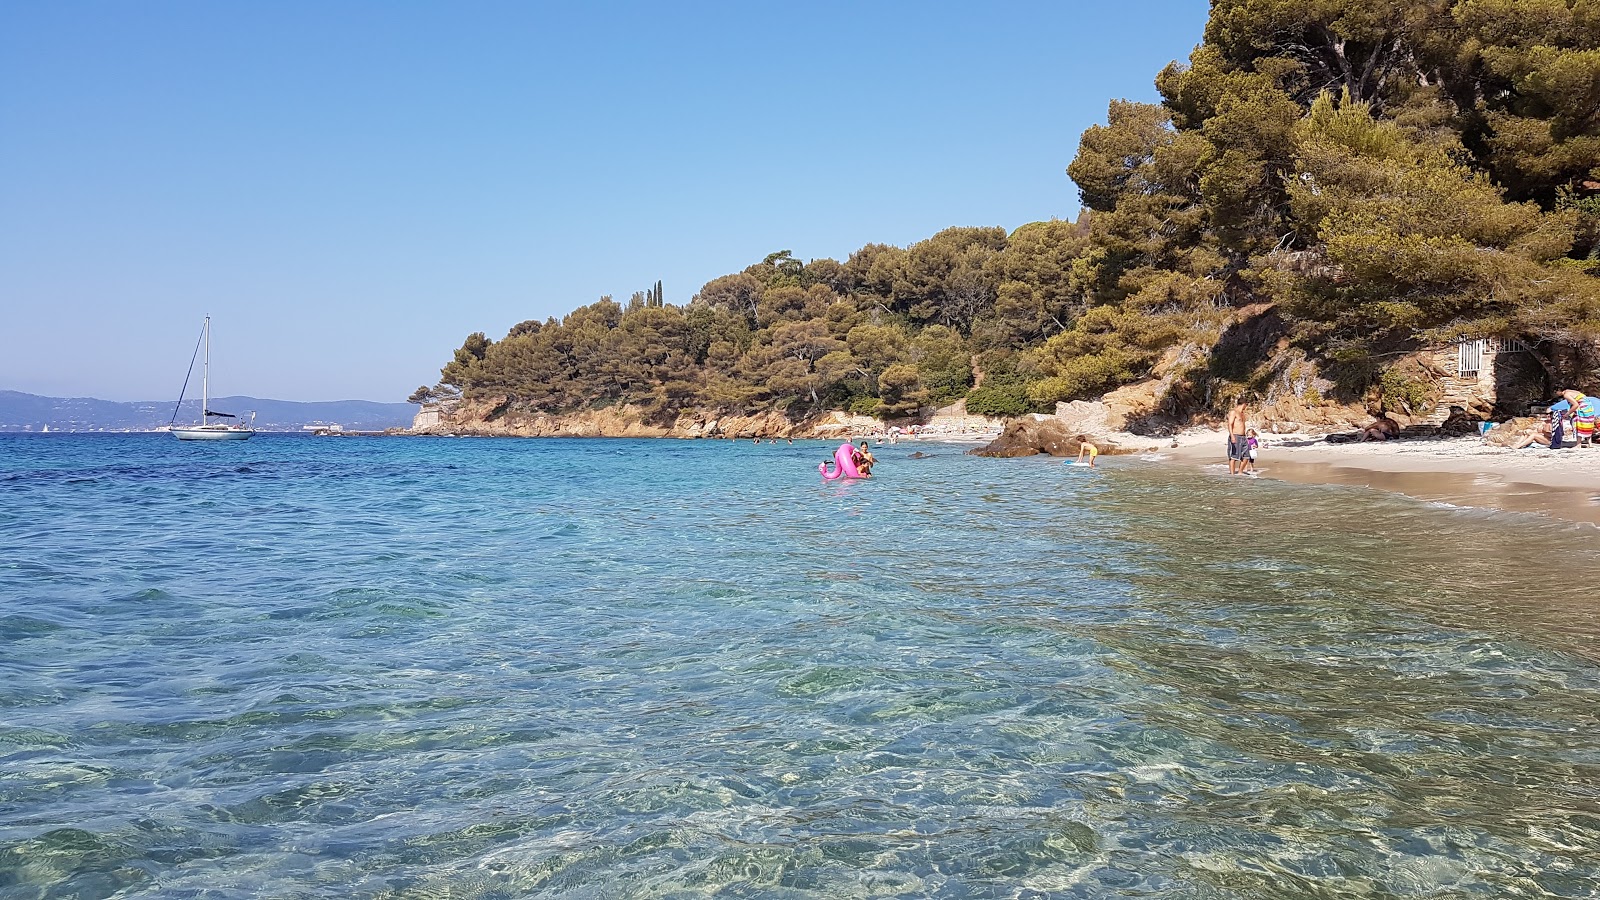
(350,188)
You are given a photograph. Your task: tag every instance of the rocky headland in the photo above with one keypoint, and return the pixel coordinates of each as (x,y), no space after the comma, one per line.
(1127,420)
(492,418)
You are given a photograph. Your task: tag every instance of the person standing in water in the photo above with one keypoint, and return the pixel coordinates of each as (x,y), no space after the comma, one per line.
(865,460)
(1238,438)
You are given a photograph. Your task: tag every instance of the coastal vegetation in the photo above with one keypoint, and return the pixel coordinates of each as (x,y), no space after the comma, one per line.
(1323,188)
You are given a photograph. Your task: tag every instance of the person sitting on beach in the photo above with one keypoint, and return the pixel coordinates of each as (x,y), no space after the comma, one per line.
(1086,448)
(1384,429)
(1537,433)
(864,459)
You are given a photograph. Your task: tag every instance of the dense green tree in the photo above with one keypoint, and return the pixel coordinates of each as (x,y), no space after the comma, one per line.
(788,365)
(1378,173)
(945,279)
(1534,83)
(900,392)
(467,366)
(1411,242)
(739,293)
(779,269)
(1037,294)
(872,270)
(944,363)
(831,274)
(874,348)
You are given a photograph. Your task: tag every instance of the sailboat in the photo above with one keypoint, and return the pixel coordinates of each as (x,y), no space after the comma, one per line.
(208,430)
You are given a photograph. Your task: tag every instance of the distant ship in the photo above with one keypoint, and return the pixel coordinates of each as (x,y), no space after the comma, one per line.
(207,430)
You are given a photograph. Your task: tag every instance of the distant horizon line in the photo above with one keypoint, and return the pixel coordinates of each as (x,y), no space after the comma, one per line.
(221,397)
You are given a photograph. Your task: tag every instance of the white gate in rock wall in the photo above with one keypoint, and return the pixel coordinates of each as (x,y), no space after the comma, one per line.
(1470,354)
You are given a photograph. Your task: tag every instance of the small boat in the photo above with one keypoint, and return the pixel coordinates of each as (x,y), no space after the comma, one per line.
(207,430)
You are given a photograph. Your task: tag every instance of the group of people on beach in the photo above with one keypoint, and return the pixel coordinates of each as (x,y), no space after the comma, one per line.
(1570,422)
(1243,441)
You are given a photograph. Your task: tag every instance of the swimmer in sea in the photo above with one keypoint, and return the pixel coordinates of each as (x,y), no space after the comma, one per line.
(1091,450)
(865,460)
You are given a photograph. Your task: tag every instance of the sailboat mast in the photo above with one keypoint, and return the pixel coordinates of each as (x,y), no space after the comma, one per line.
(205,377)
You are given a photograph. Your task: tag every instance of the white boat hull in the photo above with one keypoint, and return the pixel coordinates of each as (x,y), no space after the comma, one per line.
(212,433)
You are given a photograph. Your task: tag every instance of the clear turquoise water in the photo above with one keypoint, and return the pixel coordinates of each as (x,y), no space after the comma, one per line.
(301,667)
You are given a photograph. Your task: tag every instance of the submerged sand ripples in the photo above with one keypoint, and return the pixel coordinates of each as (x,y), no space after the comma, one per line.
(615,668)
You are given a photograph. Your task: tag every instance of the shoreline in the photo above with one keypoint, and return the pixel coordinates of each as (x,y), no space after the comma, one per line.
(1462,472)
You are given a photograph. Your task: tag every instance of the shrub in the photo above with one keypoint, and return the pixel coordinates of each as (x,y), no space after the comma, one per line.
(998,402)
(1401,390)
(1087,376)
(946,378)
(864,406)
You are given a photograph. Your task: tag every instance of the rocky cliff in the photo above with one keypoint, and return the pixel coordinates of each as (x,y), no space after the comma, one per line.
(489,418)
(494,418)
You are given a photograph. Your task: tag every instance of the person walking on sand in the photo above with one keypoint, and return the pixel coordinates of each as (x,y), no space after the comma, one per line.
(1238,438)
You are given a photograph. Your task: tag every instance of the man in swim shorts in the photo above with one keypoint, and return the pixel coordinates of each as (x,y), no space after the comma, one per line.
(1238,439)
(1093,452)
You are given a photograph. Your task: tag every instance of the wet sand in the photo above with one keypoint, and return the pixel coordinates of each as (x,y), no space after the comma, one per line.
(1465,472)
(1491,490)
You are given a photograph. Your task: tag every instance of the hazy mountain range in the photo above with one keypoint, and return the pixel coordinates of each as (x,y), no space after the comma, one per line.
(30,412)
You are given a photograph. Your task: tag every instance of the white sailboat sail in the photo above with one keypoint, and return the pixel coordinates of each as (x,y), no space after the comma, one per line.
(206,430)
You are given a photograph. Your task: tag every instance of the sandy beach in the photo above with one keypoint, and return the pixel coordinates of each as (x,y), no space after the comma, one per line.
(1462,471)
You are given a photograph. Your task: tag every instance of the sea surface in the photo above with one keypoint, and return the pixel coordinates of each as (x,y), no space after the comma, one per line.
(410,668)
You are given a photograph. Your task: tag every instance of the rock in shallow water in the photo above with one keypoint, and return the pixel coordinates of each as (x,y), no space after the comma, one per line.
(1032,435)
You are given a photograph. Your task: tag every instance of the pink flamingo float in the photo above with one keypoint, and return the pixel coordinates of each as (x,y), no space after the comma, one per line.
(844,464)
